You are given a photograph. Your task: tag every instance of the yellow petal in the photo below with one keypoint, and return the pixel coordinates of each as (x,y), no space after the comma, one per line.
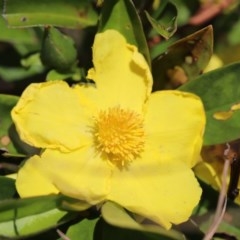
(161,190)
(211,173)
(207,173)
(53,115)
(175,124)
(32,182)
(81,174)
(120,71)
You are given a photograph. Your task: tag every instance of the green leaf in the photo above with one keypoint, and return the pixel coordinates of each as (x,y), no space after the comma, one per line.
(83,230)
(122,16)
(7,102)
(23,40)
(62,13)
(183,61)
(166,22)
(58,50)
(106,231)
(22,217)
(76,75)
(220,92)
(31,66)
(117,216)
(26,36)
(7,188)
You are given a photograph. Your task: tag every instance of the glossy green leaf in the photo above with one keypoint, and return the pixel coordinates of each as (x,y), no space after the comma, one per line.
(62,13)
(117,216)
(7,188)
(165,23)
(106,231)
(220,92)
(183,61)
(83,230)
(58,50)
(22,217)
(122,16)
(7,102)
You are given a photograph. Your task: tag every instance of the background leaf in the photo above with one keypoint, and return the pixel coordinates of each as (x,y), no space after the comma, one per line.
(23,40)
(165,20)
(183,61)
(122,16)
(117,216)
(8,189)
(62,13)
(21,217)
(105,231)
(31,66)
(58,50)
(7,102)
(83,230)
(219,91)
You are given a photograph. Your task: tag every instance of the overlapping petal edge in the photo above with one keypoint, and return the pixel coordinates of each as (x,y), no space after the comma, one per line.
(159,184)
(211,174)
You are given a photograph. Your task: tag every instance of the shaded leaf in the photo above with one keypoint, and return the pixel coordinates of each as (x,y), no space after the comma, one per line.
(83,230)
(122,16)
(7,188)
(62,13)
(21,217)
(31,66)
(183,61)
(165,23)
(23,40)
(14,36)
(219,91)
(58,50)
(105,231)
(117,216)
(7,102)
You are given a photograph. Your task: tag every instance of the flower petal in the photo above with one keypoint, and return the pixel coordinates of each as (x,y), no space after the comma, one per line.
(53,115)
(81,174)
(207,173)
(121,73)
(32,182)
(211,174)
(161,190)
(175,124)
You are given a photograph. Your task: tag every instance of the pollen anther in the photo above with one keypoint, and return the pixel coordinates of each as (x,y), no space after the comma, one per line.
(119,134)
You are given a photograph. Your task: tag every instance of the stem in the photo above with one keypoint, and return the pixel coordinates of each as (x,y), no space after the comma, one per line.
(62,235)
(222,199)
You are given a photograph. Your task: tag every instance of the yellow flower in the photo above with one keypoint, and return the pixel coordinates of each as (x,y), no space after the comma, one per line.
(113,140)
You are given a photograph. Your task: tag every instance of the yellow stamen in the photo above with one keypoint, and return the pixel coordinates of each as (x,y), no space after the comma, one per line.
(119,134)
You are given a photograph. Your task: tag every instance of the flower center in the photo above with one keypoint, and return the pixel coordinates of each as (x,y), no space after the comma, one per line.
(119,134)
